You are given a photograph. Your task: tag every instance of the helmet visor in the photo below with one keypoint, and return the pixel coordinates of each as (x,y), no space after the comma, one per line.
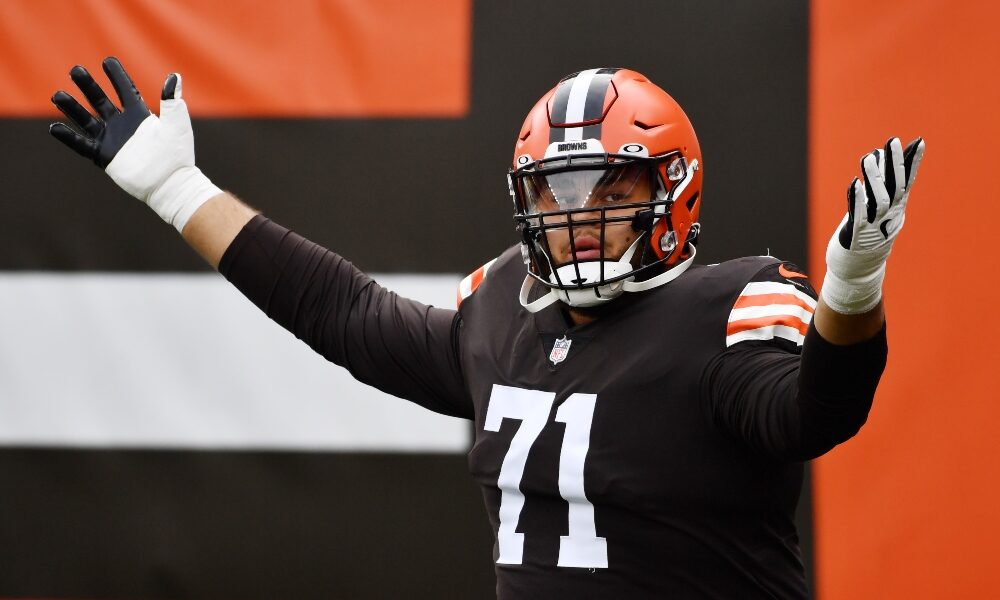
(589,188)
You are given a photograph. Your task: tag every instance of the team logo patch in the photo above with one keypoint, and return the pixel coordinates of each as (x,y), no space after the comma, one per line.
(559,350)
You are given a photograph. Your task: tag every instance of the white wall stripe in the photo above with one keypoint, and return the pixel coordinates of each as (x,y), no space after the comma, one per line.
(185,361)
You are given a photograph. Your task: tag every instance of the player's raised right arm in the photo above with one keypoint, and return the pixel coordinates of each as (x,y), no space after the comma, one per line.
(151,157)
(214,226)
(395,344)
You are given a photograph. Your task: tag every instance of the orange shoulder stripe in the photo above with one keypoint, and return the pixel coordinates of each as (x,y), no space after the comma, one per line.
(786,320)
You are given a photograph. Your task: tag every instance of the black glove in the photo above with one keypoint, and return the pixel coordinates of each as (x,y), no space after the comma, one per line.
(150,157)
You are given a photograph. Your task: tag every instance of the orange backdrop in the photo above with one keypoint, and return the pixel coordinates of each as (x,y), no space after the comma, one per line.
(385,58)
(909,508)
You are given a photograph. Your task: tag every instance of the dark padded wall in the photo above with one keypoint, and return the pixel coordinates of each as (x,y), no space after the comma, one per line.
(394,196)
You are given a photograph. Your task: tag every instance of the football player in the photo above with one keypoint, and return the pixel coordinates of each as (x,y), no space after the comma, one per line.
(640,420)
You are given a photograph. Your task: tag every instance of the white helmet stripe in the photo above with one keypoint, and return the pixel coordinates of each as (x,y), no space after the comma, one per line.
(579,98)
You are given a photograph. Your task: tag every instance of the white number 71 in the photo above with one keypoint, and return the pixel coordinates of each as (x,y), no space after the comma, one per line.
(582,547)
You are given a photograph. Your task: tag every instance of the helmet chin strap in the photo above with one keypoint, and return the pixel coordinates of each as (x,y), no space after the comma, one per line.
(663,278)
(593,296)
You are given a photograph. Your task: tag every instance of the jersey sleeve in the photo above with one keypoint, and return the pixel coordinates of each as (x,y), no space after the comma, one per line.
(775,306)
(395,344)
(779,386)
(471,282)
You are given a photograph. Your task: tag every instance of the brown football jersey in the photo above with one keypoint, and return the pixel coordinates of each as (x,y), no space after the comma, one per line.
(604,472)
(651,453)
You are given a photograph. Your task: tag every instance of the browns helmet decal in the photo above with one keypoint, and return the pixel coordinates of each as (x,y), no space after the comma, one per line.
(579,104)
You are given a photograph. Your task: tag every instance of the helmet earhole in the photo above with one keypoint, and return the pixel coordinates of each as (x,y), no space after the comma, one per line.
(691,202)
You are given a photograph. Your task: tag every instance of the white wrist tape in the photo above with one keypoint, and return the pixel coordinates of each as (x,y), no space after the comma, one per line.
(156,165)
(853,297)
(184,191)
(853,283)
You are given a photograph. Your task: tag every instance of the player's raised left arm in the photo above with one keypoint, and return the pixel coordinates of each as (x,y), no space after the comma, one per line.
(799,407)
(850,308)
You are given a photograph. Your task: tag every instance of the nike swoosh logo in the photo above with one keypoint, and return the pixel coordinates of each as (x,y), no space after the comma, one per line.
(790,274)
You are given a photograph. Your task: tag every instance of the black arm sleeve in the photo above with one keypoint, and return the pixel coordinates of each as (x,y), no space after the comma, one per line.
(792,407)
(397,345)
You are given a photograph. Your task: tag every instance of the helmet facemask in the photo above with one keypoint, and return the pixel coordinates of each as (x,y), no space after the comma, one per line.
(567,206)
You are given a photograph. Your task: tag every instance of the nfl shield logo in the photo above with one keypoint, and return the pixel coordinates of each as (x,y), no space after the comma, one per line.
(559,350)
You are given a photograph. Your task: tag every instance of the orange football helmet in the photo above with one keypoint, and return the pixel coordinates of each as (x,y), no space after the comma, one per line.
(594,136)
